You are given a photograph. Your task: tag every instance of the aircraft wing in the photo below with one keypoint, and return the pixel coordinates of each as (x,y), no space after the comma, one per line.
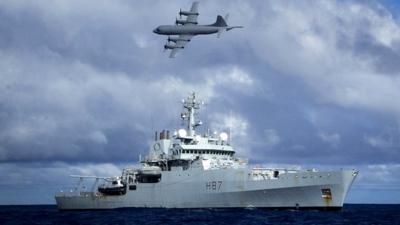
(192,19)
(180,44)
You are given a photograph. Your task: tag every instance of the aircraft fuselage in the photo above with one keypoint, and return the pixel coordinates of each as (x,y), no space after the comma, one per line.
(187,29)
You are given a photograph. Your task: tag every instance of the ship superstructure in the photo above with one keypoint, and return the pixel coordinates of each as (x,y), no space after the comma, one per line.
(186,169)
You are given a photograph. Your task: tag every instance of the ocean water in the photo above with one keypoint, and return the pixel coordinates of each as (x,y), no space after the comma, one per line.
(48,214)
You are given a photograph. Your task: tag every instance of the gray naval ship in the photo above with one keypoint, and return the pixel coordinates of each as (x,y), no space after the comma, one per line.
(191,170)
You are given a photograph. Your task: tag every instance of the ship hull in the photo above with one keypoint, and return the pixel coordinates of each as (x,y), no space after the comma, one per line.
(225,188)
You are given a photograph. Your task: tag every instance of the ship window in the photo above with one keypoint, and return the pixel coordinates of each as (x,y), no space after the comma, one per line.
(132,187)
(146,178)
(184,151)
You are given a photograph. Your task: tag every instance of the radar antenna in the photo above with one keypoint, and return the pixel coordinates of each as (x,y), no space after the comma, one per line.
(191,105)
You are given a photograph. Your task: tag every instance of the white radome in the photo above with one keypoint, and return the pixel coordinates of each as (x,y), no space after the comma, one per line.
(182,133)
(197,138)
(223,136)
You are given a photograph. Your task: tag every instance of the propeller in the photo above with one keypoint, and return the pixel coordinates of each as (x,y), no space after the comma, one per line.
(176,21)
(180,13)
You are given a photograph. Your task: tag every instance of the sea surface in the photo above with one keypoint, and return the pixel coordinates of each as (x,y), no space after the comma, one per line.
(48,214)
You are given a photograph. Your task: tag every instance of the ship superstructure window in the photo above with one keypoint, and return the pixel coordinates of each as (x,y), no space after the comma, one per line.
(210,151)
(149,178)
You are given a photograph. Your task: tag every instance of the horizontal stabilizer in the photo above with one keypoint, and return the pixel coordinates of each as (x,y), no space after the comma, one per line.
(233,27)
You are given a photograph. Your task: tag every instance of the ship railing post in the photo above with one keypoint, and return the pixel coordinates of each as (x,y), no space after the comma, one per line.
(78,186)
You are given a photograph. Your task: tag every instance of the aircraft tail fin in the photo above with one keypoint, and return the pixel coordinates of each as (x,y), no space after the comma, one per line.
(220,22)
(222,25)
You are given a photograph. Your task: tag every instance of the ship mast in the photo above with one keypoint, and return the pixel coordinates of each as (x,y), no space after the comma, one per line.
(191,105)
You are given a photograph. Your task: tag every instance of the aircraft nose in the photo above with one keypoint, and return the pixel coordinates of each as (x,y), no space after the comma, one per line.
(156,30)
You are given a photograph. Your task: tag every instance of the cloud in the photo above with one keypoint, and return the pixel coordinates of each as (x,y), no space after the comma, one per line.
(333,139)
(238,129)
(389,138)
(322,44)
(71,110)
(271,138)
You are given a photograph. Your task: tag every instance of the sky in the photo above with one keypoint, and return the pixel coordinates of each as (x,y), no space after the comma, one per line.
(305,84)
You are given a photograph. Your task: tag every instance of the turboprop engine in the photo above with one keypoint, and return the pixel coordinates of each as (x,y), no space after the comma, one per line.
(183,22)
(169,46)
(176,39)
(187,13)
